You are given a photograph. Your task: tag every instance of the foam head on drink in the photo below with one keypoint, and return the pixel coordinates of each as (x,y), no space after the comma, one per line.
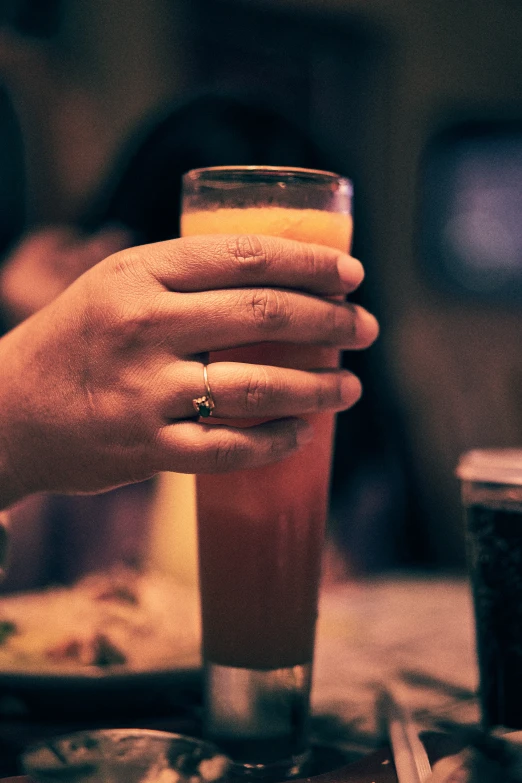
(261,530)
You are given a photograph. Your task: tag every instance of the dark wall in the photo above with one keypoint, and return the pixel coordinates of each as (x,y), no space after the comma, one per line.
(376,83)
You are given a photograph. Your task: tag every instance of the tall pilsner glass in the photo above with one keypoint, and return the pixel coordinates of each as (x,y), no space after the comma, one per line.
(261,530)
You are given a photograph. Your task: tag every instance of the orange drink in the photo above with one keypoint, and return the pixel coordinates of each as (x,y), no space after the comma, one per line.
(261,530)
(306,225)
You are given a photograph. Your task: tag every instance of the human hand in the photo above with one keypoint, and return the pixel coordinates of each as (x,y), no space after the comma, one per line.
(45,262)
(98,386)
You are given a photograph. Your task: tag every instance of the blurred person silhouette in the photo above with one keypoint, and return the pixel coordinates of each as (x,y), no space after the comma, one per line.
(125,189)
(63,78)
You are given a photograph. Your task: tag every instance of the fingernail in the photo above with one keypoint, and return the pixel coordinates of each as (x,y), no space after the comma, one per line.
(369,325)
(351,388)
(351,272)
(305,432)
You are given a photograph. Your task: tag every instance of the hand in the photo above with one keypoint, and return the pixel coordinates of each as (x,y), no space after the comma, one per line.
(96,389)
(45,262)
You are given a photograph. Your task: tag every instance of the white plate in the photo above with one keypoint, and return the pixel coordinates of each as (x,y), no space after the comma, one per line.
(158,634)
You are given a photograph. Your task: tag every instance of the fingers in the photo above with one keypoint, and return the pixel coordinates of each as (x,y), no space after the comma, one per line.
(214,320)
(227,261)
(218,449)
(255,391)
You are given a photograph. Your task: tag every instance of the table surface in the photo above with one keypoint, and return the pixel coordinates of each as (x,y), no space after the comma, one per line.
(415,632)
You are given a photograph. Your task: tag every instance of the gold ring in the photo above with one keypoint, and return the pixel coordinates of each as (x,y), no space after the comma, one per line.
(204,405)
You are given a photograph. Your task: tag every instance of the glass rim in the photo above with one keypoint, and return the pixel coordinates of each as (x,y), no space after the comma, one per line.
(271,172)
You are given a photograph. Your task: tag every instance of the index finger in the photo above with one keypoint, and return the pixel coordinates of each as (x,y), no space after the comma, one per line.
(204,263)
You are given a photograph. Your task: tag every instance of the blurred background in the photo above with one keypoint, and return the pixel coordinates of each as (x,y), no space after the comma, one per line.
(104,103)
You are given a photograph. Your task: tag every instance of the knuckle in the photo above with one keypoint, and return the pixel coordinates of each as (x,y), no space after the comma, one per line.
(249,254)
(336,391)
(323,395)
(340,323)
(125,265)
(268,308)
(328,392)
(131,322)
(258,392)
(352,321)
(129,328)
(310,258)
(282,443)
(226,456)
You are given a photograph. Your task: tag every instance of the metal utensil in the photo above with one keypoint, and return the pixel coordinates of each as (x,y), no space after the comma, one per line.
(409,754)
(133,755)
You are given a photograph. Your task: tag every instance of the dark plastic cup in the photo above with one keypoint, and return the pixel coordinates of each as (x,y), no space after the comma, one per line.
(492,499)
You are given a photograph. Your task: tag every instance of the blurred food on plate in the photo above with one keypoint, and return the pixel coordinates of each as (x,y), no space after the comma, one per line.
(121,620)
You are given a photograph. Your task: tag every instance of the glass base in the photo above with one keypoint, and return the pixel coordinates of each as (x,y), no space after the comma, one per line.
(285,769)
(259,718)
